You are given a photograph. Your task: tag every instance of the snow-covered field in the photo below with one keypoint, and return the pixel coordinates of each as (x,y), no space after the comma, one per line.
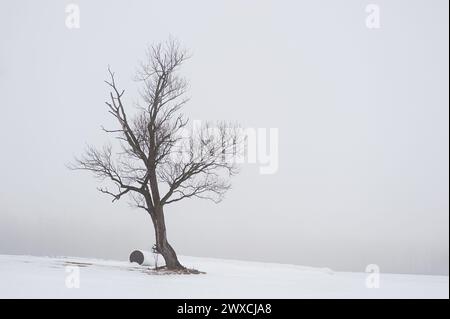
(42,277)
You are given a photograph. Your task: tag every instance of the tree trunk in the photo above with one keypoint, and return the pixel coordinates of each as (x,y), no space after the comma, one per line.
(162,245)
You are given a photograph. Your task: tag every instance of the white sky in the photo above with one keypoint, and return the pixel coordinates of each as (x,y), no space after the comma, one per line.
(362,117)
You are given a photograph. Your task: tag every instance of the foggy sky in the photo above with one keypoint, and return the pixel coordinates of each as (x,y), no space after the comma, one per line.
(362,117)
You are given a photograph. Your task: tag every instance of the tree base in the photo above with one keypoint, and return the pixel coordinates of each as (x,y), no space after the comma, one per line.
(163,270)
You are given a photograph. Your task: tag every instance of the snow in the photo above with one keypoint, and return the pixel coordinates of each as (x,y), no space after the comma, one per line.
(45,277)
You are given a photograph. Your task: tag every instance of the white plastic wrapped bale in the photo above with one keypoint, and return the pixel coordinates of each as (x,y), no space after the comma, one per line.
(143,258)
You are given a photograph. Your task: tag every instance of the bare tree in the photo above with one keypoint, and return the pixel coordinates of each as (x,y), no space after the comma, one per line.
(156,165)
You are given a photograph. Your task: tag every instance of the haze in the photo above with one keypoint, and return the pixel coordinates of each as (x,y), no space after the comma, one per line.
(362,116)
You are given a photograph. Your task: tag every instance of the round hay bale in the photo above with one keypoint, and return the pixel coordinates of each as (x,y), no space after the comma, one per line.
(143,258)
